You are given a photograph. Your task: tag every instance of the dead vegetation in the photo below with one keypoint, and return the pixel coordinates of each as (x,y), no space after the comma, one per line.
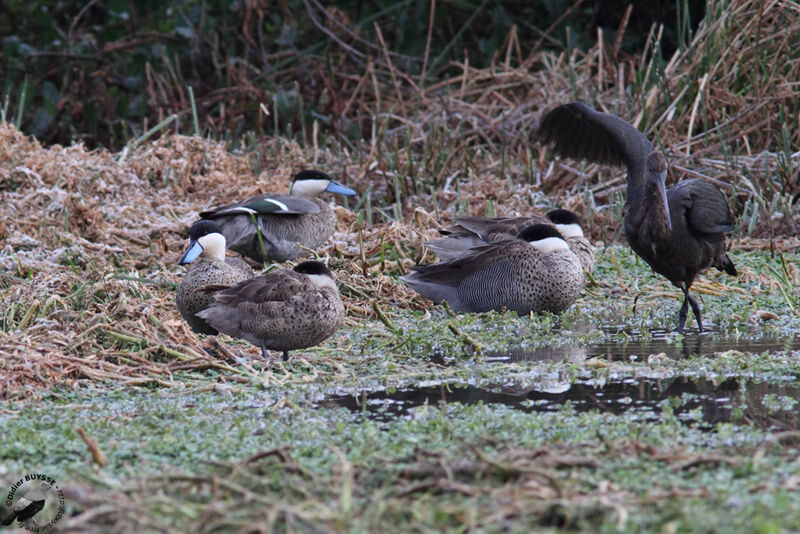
(90,238)
(539,488)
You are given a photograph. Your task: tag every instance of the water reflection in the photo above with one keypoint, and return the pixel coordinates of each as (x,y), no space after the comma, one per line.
(705,344)
(761,404)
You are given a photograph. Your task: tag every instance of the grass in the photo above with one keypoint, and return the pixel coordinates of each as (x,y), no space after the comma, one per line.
(212,462)
(91,338)
(220,447)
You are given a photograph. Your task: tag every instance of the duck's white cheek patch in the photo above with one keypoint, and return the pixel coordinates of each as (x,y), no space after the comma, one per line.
(320,281)
(550,244)
(570,230)
(309,187)
(213,244)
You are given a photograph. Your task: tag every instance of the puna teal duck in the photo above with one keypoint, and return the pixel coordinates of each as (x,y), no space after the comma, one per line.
(206,254)
(534,273)
(282,310)
(469,232)
(288,224)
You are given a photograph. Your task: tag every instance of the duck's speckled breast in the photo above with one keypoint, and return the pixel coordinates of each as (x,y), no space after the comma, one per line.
(201,273)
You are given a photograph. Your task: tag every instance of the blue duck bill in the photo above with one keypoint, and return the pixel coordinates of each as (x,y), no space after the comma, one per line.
(334,187)
(191,253)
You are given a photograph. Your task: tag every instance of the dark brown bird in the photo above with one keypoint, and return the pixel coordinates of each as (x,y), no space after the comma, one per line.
(678,232)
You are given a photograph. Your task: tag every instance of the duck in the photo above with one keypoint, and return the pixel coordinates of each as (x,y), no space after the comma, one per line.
(206,254)
(537,272)
(283,310)
(468,232)
(678,231)
(290,225)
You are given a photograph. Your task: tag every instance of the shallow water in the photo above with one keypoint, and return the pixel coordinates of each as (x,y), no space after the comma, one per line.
(697,401)
(765,405)
(658,342)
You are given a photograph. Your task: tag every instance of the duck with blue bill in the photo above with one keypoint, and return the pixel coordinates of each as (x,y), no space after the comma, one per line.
(275,227)
(208,266)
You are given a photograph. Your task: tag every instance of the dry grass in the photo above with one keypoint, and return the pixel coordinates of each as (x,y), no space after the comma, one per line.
(90,238)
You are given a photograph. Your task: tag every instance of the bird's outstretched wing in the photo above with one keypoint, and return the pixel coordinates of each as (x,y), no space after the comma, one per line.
(577,131)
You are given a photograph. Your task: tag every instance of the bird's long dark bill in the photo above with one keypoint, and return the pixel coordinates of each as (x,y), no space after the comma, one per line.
(191,253)
(662,190)
(335,187)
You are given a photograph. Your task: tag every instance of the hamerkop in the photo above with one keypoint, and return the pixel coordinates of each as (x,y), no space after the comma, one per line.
(678,232)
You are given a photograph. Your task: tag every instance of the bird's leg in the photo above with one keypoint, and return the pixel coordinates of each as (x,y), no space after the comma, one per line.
(264,352)
(286,355)
(696,310)
(682,315)
(687,301)
(684,307)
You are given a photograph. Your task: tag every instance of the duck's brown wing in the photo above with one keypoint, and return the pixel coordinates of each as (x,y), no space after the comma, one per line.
(275,286)
(484,226)
(444,280)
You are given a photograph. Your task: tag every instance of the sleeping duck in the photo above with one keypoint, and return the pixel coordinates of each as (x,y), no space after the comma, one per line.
(206,253)
(284,221)
(535,272)
(283,310)
(468,232)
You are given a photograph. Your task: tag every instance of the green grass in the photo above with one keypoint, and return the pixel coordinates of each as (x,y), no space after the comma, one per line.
(178,456)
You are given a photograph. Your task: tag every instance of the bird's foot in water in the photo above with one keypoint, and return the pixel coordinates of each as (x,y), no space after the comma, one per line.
(687,301)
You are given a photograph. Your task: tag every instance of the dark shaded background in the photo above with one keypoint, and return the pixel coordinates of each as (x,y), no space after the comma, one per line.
(104,72)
